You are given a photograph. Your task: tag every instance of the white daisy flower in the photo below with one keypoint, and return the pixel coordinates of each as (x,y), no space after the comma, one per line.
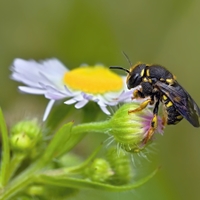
(80,85)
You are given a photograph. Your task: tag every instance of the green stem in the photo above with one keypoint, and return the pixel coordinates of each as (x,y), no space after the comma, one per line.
(78,132)
(64,181)
(98,127)
(20,182)
(5,162)
(15,163)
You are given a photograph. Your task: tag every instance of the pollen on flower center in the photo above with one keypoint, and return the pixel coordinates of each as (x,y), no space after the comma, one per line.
(94,80)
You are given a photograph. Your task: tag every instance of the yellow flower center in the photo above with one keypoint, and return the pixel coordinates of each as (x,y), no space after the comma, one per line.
(94,80)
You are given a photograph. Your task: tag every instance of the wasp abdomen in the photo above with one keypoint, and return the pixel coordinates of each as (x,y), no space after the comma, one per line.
(173,116)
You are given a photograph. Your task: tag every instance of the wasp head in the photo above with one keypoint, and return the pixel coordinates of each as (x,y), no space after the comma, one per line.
(135,75)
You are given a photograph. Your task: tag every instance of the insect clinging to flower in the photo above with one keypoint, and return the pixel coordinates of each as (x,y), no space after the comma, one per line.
(159,85)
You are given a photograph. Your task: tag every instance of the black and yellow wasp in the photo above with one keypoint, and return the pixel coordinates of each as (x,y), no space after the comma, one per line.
(157,83)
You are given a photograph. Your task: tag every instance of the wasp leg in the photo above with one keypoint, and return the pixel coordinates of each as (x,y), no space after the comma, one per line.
(142,106)
(154,124)
(137,94)
(164,117)
(164,120)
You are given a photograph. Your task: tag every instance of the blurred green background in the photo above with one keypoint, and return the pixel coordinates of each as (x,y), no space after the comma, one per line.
(164,32)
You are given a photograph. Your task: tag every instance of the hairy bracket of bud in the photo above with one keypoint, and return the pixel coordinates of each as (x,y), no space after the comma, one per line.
(20,142)
(99,170)
(25,134)
(129,130)
(30,127)
(121,166)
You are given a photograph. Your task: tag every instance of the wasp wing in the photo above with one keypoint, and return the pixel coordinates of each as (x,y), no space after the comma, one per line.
(182,101)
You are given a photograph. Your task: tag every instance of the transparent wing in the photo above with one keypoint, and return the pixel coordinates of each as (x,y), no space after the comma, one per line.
(182,101)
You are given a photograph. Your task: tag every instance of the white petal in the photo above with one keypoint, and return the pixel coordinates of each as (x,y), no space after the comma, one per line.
(125,96)
(53,71)
(55,96)
(102,101)
(54,93)
(24,66)
(104,109)
(80,104)
(87,96)
(31,90)
(48,109)
(28,79)
(67,91)
(26,71)
(53,66)
(70,101)
(112,95)
(79,97)
(49,72)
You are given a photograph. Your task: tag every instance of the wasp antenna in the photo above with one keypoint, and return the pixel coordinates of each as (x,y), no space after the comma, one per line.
(127,58)
(116,67)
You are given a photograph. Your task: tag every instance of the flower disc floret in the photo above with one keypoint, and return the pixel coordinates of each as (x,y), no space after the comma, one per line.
(93,80)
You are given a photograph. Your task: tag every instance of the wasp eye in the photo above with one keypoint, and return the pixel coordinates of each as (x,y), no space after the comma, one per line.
(136,76)
(133,81)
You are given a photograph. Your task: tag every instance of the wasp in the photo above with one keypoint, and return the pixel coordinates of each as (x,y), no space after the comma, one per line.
(161,86)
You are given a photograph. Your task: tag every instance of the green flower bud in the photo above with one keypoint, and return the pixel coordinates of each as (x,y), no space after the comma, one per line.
(35,190)
(99,170)
(50,192)
(67,160)
(25,135)
(29,127)
(121,166)
(21,142)
(22,197)
(130,129)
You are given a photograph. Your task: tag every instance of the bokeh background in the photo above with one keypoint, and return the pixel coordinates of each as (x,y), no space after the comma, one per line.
(91,31)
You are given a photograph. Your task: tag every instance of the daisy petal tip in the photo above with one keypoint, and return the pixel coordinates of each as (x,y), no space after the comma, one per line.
(70,101)
(105,110)
(48,109)
(81,104)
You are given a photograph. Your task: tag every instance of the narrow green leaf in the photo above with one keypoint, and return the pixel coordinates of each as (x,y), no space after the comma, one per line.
(73,141)
(5,161)
(58,114)
(87,184)
(57,143)
(79,132)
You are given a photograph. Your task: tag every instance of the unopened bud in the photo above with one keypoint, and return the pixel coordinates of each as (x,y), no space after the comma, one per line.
(24,135)
(121,165)
(29,127)
(130,129)
(21,142)
(99,170)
